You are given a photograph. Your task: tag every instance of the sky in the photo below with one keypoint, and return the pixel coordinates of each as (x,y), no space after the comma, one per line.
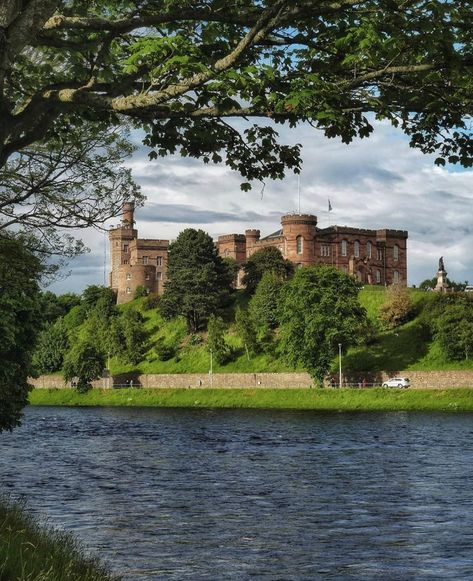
(379,182)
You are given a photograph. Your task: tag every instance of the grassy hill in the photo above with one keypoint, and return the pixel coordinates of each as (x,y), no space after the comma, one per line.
(408,347)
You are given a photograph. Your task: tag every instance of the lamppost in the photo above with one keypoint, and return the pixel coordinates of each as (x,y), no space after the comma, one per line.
(339,365)
(211,369)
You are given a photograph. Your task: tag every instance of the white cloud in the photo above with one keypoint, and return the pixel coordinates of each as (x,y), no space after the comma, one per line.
(377,182)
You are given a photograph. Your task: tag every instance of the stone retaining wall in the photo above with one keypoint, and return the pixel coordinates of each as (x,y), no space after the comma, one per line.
(419,379)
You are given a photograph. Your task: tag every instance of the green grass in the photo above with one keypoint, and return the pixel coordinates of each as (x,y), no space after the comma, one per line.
(31,552)
(309,399)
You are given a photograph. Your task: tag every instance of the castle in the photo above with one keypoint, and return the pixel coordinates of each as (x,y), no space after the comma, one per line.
(376,257)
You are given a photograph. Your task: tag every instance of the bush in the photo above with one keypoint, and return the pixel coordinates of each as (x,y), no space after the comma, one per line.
(141,291)
(221,351)
(397,308)
(151,302)
(165,352)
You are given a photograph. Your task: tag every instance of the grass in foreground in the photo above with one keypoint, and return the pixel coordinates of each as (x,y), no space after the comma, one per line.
(309,399)
(31,552)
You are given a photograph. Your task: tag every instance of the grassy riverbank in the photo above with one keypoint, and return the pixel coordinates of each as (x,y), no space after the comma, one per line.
(311,399)
(31,552)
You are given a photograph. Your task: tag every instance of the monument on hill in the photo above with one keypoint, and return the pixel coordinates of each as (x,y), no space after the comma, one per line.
(442,284)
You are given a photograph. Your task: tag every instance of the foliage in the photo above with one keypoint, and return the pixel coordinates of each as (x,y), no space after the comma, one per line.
(135,343)
(150,302)
(454,329)
(165,352)
(72,178)
(319,309)
(198,283)
(232,267)
(431,283)
(94,293)
(245,330)
(216,343)
(53,306)
(397,307)
(141,291)
(264,304)
(267,259)
(29,550)
(51,347)
(180,69)
(83,363)
(20,321)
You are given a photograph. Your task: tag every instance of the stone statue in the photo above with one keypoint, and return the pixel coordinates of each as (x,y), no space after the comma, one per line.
(441,264)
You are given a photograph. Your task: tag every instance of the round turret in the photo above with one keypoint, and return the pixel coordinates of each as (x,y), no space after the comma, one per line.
(299,231)
(128,214)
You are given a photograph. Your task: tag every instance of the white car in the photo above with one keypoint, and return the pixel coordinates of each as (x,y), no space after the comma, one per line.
(397,382)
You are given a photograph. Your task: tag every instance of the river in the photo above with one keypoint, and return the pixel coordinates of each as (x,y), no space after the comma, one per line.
(244,494)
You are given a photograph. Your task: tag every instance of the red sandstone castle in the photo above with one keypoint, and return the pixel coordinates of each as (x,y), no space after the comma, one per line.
(373,256)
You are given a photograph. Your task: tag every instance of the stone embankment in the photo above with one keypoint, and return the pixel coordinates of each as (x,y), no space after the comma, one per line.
(419,380)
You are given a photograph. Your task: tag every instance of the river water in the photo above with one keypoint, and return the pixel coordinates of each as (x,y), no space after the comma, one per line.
(217,495)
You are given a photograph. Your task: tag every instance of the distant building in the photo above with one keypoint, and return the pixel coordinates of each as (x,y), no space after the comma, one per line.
(377,257)
(372,256)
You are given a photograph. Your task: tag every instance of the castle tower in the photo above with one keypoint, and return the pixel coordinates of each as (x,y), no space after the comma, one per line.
(120,239)
(299,231)
(252,237)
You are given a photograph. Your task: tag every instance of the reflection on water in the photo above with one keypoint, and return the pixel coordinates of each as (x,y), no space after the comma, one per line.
(195,494)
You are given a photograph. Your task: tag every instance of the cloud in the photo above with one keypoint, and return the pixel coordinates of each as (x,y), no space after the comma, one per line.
(375,183)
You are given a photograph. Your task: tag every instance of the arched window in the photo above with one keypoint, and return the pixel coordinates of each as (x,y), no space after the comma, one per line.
(128,290)
(368,249)
(344,247)
(396,252)
(128,276)
(396,277)
(356,249)
(299,242)
(147,276)
(378,277)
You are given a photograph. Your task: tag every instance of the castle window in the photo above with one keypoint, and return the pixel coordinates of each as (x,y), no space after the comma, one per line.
(147,276)
(125,247)
(344,247)
(145,259)
(378,277)
(356,249)
(380,254)
(299,242)
(128,290)
(396,252)
(226,252)
(368,249)
(158,276)
(345,269)
(125,262)
(396,277)
(128,276)
(159,261)
(324,250)
(299,265)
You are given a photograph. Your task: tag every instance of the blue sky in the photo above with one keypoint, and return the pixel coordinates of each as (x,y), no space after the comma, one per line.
(375,183)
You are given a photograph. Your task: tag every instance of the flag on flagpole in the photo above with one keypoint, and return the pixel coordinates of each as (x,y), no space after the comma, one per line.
(329,206)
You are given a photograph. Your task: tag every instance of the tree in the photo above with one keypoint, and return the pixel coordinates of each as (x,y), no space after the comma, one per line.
(267,259)
(454,329)
(95,293)
(397,307)
(20,322)
(181,69)
(216,343)
(264,304)
(51,347)
(198,283)
(73,178)
(83,363)
(319,309)
(133,336)
(246,331)
(431,283)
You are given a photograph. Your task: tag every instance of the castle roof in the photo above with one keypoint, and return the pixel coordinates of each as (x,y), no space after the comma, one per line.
(276,234)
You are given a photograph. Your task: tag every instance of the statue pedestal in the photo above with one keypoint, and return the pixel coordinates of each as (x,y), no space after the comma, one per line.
(442,285)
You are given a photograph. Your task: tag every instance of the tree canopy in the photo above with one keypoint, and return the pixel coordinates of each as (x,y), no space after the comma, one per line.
(20,322)
(198,281)
(267,259)
(184,70)
(319,309)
